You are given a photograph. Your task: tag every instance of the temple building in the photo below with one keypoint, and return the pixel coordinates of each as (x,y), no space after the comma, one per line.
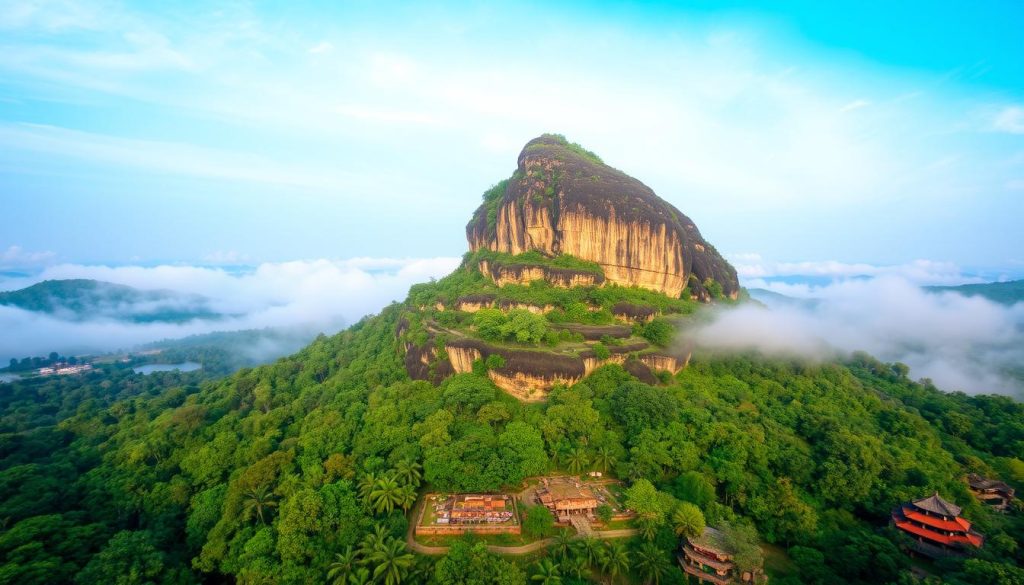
(991,492)
(709,559)
(567,497)
(936,527)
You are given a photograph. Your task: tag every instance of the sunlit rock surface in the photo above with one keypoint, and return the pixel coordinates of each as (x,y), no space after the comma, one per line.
(564,201)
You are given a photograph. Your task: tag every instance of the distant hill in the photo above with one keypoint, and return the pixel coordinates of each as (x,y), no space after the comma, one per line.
(81,299)
(1006,293)
(223,352)
(774,299)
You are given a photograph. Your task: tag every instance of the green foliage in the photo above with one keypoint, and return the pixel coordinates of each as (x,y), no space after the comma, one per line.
(518,325)
(574,147)
(472,564)
(601,351)
(659,332)
(287,472)
(538,522)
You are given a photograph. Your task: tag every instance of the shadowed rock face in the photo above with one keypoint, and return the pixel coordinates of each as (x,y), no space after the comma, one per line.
(562,200)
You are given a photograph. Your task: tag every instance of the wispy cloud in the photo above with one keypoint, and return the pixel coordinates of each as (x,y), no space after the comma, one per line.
(1010,119)
(753,269)
(15,257)
(167,157)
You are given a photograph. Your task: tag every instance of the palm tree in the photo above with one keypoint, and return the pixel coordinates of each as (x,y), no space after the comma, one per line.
(259,499)
(615,559)
(386,494)
(366,485)
(648,526)
(559,451)
(688,520)
(591,550)
(547,573)
(344,564)
(651,563)
(360,576)
(561,544)
(392,562)
(604,458)
(409,472)
(578,460)
(407,497)
(574,565)
(373,542)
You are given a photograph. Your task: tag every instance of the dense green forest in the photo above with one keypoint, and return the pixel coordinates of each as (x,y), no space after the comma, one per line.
(276,475)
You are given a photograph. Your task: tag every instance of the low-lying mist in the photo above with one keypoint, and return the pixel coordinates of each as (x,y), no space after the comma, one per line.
(961,343)
(304,296)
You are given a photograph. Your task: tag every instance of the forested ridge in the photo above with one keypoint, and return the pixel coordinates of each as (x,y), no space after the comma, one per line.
(261,477)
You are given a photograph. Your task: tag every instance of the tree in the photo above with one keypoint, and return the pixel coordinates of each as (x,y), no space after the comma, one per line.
(578,460)
(547,573)
(695,488)
(410,472)
(258,499)
(742,539)
(644,499)
(387,494)
(129,558)
(614,559)
(344,564)
(688,520)
(604,458)
(467,564)
(538,521)
(374,541)
(562,544)
(367,484)
(391,562)
(651,563)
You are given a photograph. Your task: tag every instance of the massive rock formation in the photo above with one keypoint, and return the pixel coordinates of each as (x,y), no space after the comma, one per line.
(564,200)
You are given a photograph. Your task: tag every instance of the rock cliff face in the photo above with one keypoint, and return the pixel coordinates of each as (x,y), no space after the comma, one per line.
(564,200)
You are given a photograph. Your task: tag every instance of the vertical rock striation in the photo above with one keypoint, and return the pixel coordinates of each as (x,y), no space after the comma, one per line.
(564,200)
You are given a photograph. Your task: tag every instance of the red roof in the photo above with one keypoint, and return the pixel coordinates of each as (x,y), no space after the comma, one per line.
(970,538)
(956,525)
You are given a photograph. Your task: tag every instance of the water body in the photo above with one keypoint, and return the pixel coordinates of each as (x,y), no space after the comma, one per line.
(9,378)
(182,367)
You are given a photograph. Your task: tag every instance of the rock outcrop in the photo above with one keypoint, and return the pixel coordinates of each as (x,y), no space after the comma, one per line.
(564,200)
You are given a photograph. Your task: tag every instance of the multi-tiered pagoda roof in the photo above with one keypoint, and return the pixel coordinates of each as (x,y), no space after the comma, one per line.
(936,527)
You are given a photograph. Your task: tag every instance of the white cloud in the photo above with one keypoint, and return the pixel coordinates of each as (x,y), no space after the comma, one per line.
(753,269)
(321,48)
(17,257)
(854,105)
(227,257)
(168,157)
(1010,119)
(961,343)
(321,292)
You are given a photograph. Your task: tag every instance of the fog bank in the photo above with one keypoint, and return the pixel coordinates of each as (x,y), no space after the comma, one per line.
(961,343)
(320,295)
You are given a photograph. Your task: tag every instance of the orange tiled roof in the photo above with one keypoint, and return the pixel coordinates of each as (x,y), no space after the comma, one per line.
(970,538)
(956,525)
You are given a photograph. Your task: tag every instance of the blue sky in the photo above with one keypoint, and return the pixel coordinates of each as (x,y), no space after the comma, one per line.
(795,134)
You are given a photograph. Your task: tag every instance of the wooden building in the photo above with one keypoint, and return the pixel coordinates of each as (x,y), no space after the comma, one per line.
(991,492)
(708,559)
(566,497)
(935,527)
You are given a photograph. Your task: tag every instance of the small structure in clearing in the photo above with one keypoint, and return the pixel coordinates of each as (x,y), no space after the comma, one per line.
(461,513)
(991,492)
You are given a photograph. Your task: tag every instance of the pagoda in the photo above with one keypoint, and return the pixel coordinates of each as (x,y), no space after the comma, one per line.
(709,559)
(936,527)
